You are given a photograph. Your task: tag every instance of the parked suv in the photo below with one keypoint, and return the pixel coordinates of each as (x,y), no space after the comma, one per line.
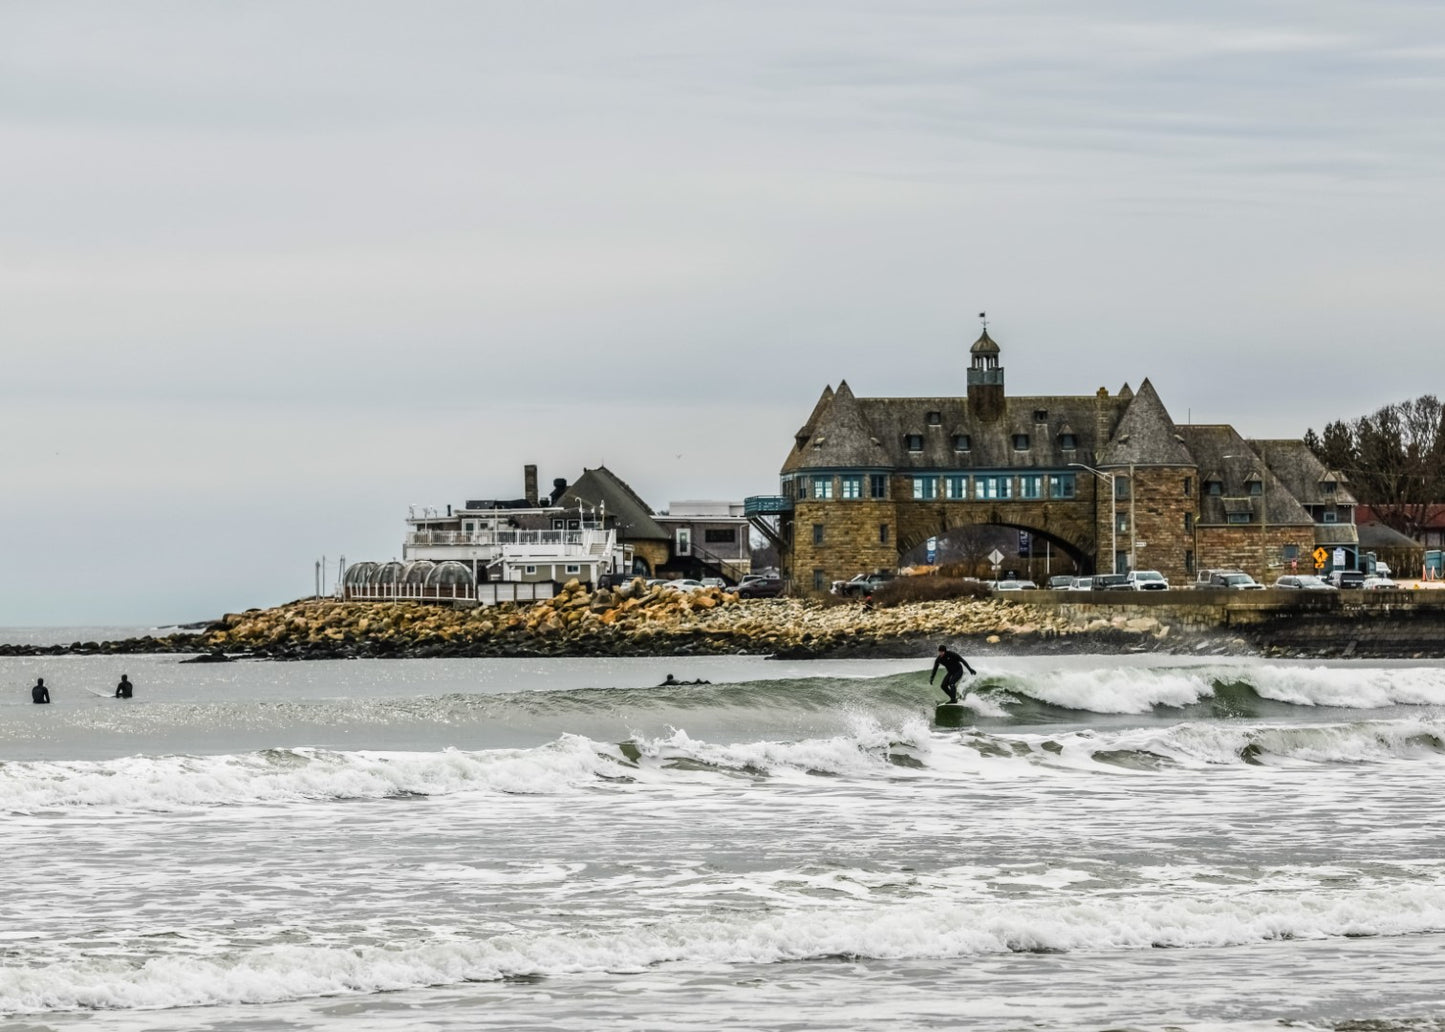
(760,587)
(1110,581)
(1346,579)
(1145,580)
(1234,581)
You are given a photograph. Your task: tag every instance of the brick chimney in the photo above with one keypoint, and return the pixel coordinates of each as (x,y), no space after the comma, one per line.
(529,483)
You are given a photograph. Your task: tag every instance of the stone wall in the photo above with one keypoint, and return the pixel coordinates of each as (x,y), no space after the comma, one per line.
(1257,552)
(852,540)
(1158,505)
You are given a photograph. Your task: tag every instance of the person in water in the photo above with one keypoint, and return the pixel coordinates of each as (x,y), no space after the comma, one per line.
(125,689)
(953,665)
(40,693)
(669,681)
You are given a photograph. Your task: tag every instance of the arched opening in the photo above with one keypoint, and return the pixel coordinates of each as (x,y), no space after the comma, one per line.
(1025,551)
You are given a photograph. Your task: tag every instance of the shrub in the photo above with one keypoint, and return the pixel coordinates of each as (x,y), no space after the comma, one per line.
(927,589)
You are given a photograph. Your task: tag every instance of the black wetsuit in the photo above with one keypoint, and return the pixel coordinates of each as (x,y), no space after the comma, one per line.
(40,693)
(954,665)
(123,690)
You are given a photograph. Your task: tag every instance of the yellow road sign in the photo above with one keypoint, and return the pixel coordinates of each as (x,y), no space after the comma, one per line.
(1320,555)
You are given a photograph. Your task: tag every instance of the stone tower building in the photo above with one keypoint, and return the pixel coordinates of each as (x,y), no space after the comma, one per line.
(1109,480)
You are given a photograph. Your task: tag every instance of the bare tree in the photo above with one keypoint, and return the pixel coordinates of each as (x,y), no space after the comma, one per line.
(1394,459)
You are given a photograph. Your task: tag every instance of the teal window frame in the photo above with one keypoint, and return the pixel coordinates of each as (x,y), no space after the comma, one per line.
(925,488)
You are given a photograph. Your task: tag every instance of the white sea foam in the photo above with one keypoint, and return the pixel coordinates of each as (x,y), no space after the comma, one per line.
(926,928)
(1350,687)
(1117,689)
(866,750)
(292,775)
(573,762)
(1140,689)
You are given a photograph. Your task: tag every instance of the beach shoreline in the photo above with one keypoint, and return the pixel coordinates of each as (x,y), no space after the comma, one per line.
(660,621)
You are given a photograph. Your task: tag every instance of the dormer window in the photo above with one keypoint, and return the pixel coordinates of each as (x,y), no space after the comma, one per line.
(934,418)
(1068,442)
(1256,487)
(1021,442)
(1327,487)
(962,442)
(913,442)
(1041,415)
(1213,487)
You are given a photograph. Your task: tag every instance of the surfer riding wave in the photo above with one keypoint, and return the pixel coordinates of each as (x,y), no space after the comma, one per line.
(954,665)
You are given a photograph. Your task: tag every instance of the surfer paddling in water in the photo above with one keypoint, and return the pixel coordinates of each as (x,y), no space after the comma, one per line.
(953,665)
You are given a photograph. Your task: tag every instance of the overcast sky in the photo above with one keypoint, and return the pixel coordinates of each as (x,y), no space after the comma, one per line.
(271,272)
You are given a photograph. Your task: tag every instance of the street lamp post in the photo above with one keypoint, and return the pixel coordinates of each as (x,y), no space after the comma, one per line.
(1113,514)
(1263,460)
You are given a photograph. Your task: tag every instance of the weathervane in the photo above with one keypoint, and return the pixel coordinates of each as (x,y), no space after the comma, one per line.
(983,318)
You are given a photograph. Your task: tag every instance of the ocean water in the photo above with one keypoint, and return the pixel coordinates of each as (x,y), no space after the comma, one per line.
(1090,843)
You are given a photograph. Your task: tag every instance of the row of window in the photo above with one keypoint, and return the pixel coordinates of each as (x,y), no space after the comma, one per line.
(849,485)
(959,486)
(964,442)
(952,486)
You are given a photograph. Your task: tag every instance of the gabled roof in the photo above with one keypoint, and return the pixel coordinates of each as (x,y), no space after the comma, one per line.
(1223,455)
(842,435)
(1146,436)
(1301,473)
(625,510)
(806,430)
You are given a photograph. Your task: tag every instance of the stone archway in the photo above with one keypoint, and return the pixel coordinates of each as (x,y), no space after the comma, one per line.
(1066,540)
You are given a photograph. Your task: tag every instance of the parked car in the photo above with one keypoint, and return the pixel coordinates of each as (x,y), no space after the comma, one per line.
(1015,585)
(713,582)
(1082,584)
(1236,581)
(1109,581)
(1060,582)
(761,587)
(1380,584)
(1303,582)
(685,584)
(1145,580)
(1347,579)
(863,584)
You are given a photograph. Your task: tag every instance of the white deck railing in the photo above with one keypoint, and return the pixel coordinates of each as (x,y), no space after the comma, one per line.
(489,593)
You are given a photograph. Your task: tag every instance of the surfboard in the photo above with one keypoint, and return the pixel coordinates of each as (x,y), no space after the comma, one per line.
(952,714)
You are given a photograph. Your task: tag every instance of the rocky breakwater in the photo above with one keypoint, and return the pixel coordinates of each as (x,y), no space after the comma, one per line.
(637,620)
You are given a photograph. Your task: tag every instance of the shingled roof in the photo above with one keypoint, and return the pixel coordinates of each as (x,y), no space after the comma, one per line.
(850,432)
(625,510)
(1302,473)
(1222,454)
(1146,436)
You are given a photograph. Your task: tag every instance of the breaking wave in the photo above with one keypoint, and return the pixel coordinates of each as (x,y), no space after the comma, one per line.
(574,762)
(926,927)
